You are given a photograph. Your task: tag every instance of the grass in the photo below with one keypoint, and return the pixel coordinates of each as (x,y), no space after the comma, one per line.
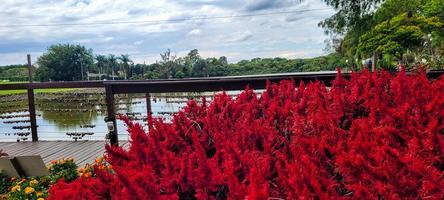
(40,91)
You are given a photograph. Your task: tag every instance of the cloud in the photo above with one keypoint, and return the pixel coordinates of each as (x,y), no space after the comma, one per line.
(236,38)
(255,5)
(293,18)
(194,32)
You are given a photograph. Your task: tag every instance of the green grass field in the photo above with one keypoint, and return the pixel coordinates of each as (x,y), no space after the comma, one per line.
(40,91)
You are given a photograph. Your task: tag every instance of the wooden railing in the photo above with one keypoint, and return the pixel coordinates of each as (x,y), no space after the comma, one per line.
(170,85)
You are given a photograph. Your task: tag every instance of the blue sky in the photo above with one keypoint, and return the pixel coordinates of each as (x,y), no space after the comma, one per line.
(291,35)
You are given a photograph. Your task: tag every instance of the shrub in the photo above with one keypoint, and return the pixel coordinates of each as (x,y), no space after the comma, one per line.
(375,136)
(5,183)
(65,169)
(32,189)
(90,170)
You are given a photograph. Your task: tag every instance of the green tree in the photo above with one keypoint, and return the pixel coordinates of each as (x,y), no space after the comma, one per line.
(101,63)
(168,65)
(405,32)
(64,62)
(126,63)
(112,65)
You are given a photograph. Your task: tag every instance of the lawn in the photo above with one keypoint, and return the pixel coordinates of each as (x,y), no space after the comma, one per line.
(41,91)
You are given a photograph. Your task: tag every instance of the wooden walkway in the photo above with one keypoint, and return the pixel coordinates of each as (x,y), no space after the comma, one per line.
(82,151)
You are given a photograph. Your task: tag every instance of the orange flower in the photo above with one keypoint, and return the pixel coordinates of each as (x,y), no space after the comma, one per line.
(99,160)
(29,190)
(16,188)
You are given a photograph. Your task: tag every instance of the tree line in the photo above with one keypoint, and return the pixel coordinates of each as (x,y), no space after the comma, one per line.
(68,62)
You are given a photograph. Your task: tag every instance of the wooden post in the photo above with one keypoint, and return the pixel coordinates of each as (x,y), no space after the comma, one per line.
(31,104)
(111,114)
(148,108)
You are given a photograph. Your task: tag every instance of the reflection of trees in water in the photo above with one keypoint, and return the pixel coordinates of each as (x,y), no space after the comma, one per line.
(14,106)
(124,101)
(66,113)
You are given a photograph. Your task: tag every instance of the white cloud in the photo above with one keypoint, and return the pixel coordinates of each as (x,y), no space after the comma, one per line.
(194,32)
(238,38)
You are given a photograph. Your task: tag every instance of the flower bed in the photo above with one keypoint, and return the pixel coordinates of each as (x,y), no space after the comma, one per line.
(375,136)
(36,188)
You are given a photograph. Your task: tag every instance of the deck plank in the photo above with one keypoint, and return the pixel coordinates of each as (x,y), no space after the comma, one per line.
(82,151)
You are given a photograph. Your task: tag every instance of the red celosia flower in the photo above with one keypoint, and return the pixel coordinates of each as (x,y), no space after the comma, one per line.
(376,136)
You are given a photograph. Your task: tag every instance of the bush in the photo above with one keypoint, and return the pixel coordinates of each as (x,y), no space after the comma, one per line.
(375,136)
(65,169)
(5,183)
(32,189)
(99,164)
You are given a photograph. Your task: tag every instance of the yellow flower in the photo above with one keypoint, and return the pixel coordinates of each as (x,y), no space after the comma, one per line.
(16,188)
(29,190)
(39,194)
(33,183)
(40,199)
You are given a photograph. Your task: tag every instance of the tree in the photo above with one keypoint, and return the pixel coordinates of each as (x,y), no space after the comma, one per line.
(112,65)
(126,62)
(64,62)
(101,63)
(168,65)
(398,35)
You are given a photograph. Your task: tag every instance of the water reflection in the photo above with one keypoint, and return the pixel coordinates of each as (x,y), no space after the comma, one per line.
(61,115)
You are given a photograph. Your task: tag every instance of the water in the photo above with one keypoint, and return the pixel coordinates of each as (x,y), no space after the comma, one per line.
(62,116)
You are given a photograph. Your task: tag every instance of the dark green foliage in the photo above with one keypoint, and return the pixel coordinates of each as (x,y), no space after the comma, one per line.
(401,29)
(65,62)
(65,169)
(5,183)
(14,72)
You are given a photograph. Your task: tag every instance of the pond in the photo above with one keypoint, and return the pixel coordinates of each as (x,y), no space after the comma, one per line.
(79,115)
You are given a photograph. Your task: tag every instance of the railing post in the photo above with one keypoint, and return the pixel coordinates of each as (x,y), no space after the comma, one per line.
(31,104)
(111,114)
(32,118)
(148,108)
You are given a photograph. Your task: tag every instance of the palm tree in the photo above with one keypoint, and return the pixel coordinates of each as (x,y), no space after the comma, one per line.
(126,63)
(101,63)
(112,62)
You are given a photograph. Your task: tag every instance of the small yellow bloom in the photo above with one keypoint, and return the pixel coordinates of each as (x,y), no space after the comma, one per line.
(39,194)
(40,199)
(29,190)
(33,183)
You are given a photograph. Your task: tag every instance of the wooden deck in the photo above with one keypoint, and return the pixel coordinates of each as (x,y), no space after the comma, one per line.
(82,151)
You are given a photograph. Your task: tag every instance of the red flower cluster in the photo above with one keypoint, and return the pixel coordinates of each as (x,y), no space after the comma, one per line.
(375,136)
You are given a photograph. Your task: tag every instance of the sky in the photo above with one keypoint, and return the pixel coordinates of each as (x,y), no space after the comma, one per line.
(145,28)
